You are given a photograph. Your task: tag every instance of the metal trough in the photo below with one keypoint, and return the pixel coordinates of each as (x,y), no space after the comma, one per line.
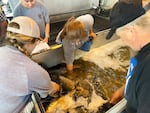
(54,56)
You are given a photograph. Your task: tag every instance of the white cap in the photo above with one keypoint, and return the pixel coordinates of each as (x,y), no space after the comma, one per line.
(24,25)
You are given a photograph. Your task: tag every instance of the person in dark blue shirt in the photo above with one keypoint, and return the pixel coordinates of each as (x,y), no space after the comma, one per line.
(133,27)
(136,91)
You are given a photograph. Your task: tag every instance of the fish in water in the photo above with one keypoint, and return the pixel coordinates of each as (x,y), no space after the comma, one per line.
(67,84)
(67,103)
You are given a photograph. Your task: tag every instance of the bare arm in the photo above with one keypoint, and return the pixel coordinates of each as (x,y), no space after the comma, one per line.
(91,33)
(47,32)
(118,95)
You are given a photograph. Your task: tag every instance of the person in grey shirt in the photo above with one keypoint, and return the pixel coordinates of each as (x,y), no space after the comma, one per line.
(38,12)
(19,75)
(73,35)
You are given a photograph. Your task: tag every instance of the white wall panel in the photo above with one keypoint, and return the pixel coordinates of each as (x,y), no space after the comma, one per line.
(66,6)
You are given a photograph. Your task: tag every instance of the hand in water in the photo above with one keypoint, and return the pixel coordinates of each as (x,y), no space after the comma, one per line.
(55,88)
(117,96)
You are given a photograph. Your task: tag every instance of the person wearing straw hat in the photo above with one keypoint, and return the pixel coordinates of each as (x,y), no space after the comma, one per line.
(20,76)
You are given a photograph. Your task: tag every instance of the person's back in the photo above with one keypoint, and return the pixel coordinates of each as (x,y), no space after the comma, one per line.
(87,21)
(20,76)
(15,80)
(134,2)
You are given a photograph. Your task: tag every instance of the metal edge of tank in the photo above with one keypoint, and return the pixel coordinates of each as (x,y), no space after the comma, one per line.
(119,107)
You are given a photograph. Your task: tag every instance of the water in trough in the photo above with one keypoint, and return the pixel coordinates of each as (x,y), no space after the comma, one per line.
(96,76)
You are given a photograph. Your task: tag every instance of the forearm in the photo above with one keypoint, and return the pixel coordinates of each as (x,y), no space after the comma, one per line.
(47,31)
(91,33)
(118,95)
